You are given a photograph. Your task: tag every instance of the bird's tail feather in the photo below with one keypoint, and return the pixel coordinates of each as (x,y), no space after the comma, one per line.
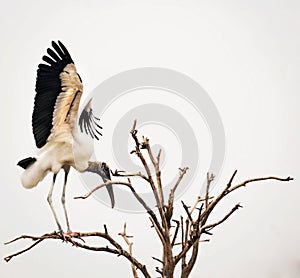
(26,162)
(33,173)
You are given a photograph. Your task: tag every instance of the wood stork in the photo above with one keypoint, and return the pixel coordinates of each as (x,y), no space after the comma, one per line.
(63,140)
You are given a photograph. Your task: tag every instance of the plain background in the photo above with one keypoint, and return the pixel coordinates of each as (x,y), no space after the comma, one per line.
(244,53)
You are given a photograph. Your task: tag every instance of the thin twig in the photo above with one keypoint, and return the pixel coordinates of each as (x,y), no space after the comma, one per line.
(119,173)
(158,232)
(109,182)
(231,179)
(187,230)
(169,212)
(125,237)
(209,179)
(183,245)
(8,258)
(244,183)
(155,163)
(211,226)
(199,200)
(187,211)
(176,232)
(156,259)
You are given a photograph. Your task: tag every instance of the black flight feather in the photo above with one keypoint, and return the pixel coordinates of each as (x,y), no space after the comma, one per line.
(87,123)
(48,87)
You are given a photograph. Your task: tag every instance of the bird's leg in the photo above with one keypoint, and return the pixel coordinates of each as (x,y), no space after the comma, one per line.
(49,199)
(63,197)
(67,236)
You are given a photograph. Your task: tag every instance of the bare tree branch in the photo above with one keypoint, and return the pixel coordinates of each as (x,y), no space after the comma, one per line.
(169,212)
(244,183)
(156,259)
(228,189)
(203,216)
(125,237)
(71,238)
(8,258)
(187,211)
(164,225)
(189,266)
(119,173)
(209,179)
(109,182)
(136,195)
(211,226)
(138,152)
(176,231)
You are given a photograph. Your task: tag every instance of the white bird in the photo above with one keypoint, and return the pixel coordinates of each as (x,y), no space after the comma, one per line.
(63,140)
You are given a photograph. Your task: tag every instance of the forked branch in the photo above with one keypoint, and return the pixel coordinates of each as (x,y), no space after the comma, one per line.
(73,239)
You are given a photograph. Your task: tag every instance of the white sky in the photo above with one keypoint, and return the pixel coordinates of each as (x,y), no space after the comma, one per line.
(245,54)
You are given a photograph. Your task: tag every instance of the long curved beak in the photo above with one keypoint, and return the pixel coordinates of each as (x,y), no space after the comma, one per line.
(105,177)
(111,194)
(102,169)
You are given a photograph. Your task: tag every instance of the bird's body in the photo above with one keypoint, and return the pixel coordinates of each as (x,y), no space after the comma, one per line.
(63,141)
(64,148)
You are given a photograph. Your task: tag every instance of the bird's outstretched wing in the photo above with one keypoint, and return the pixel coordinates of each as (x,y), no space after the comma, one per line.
(58,93)
(88,122)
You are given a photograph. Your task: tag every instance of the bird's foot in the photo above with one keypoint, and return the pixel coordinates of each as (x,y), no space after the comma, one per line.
(75,235)
(69,235)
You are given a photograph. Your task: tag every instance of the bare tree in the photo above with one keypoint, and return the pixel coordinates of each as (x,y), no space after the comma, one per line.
(180,238)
